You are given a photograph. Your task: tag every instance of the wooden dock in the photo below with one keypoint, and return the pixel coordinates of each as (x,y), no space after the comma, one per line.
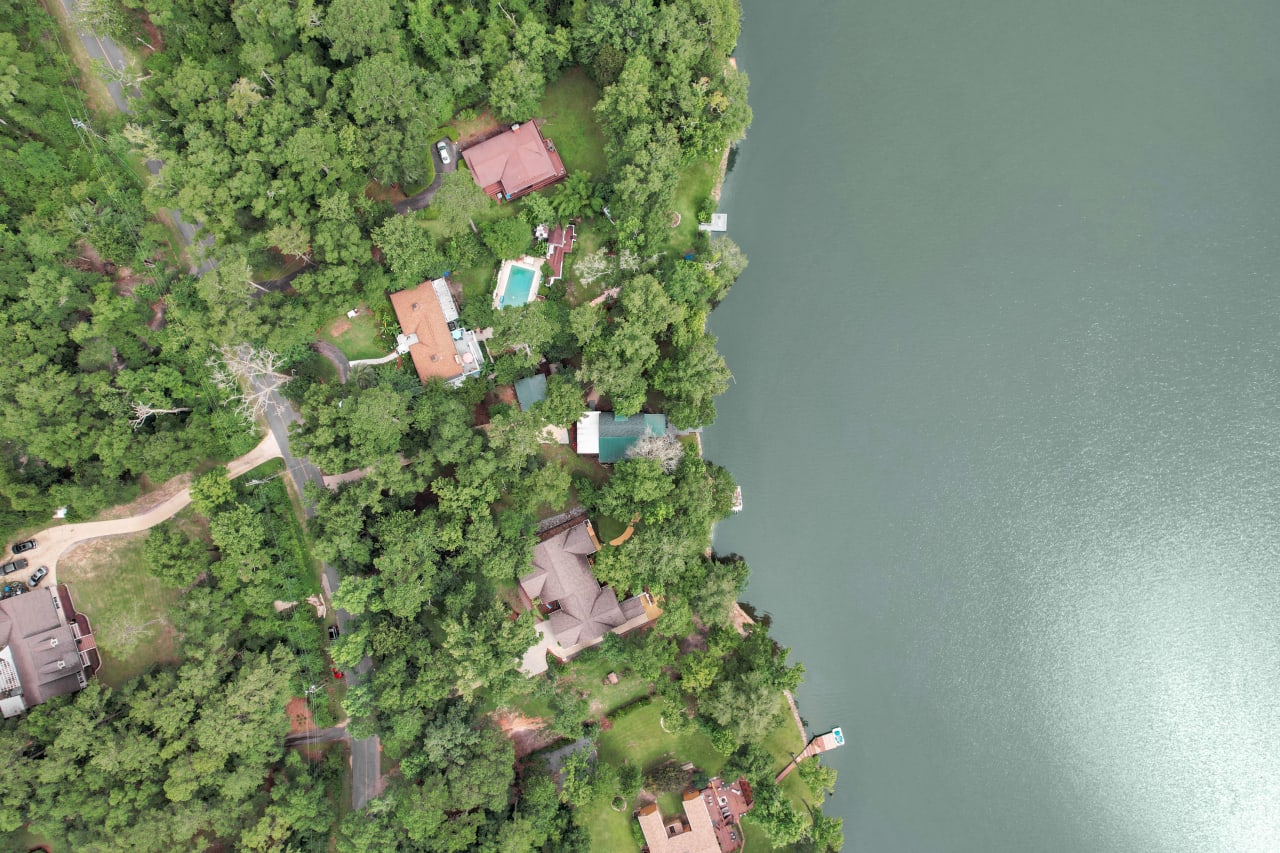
(819,744)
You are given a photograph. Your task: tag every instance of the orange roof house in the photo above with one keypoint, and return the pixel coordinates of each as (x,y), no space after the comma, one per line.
(514,163)
(439,346)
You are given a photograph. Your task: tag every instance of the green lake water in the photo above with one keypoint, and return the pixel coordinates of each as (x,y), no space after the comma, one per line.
(1007,412)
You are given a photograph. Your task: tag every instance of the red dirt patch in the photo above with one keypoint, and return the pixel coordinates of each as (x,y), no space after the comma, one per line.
(337,327)
(301,722)
(378,192)
(528,734)
(477,129)
(300,719)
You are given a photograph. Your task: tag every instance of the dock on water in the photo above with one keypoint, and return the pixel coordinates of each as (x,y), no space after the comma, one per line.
(819,744)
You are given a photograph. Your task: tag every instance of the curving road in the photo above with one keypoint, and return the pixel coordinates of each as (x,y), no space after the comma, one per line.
(104,49)
(365,753)
(53,542)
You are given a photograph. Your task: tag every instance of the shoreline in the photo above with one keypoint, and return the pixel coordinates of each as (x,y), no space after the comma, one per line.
(740,622)
(740,617)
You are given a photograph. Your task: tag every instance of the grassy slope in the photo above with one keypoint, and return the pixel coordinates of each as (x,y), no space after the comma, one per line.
(637,737)
(569,122)
(696,184)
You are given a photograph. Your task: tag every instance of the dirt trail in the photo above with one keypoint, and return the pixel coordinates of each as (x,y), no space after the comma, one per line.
(56,541)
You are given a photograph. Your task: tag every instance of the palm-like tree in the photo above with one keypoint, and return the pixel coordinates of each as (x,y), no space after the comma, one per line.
(577,196)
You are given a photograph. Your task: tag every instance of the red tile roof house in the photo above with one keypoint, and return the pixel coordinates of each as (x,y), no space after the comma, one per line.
(559,244)
(514,163)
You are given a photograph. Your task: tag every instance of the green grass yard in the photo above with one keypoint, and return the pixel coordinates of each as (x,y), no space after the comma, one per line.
(569,122)
(638,737)
(610,830)
(695,187)
(127,607)
(358,338)
(608,528)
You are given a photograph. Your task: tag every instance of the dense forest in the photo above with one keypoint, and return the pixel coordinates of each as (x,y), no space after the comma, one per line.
(285,128)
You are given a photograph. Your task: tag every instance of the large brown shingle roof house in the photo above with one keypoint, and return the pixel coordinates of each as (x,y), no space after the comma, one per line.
(712,821)
(694,834)
(46,649)
(579,609)
(514,163)
(439,345)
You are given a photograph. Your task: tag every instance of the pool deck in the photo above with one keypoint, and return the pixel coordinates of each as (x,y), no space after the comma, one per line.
(528,262)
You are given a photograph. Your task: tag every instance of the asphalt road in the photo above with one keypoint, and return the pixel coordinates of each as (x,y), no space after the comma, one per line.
(104,49)
(365,753)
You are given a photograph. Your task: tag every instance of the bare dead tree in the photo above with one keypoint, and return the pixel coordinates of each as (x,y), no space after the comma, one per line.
(253,375)
(142,411)
(667,450)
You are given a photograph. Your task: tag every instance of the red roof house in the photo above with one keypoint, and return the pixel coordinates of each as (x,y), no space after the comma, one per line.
(559,243)
(514,163)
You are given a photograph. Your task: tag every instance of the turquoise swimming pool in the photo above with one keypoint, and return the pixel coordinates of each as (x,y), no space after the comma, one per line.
(519,282)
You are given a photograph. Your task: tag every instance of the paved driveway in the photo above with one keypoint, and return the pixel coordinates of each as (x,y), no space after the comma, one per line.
(422,199)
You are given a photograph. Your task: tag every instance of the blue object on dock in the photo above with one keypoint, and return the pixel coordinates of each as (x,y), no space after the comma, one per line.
(838,735)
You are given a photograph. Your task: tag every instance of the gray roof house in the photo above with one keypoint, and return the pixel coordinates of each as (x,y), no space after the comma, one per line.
(579,608)
(46,649)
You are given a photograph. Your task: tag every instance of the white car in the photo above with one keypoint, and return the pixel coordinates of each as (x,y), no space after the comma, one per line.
(444,151)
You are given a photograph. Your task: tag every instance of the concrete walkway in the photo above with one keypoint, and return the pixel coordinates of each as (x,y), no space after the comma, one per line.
(391,356)
(53,542)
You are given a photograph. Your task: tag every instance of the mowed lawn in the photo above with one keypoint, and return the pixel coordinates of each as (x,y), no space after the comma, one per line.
(696,183)
(357,338)
(127,607)
(568,120)
(637,737)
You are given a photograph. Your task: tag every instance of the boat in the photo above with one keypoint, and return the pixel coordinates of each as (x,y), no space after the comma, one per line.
(737,499)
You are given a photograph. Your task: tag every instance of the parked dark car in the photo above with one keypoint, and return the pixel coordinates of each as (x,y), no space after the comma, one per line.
(334,632)
(24,546)
(10,568)
(37,576)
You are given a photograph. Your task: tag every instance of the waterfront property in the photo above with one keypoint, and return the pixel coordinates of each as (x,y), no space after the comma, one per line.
(518,282)
(817,745)
(514,163)
(440,347)
(711,822)
(609,437)
(579,611)
(47,649)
